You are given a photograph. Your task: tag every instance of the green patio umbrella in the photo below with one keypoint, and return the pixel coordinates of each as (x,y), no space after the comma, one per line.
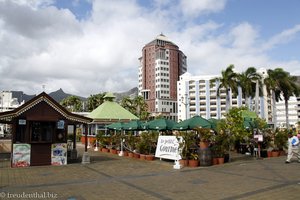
(159,124)
(192,123)
(249,119)
(246,114)
(134,125)
(214,122)
(249,124)
(115,126)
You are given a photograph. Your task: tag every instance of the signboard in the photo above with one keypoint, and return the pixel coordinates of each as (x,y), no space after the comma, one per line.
(59,154)
(21,155)
(61,124)
(70,129)
(168,148)
(22,122)
(259,138)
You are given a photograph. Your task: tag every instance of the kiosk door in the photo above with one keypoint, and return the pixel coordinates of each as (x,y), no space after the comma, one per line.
(40,154)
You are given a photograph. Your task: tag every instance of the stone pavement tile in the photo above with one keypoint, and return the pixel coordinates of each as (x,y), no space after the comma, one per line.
(113,177)
(289,192)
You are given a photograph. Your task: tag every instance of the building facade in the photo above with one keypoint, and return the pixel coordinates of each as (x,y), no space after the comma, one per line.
(160,66)
(196,96)
(293,110)
(7,102)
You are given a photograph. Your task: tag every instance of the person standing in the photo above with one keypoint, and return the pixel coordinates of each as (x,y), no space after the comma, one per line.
(293,148)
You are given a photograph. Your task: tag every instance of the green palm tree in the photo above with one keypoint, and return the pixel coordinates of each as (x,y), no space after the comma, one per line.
(141,107)
(72,103)
(283,85)
(228,81)
(128,104)
(288,88)
(247,81)
(272,88)
(94,101)
(137,106)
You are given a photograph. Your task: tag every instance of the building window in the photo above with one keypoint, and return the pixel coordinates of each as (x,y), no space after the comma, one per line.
(42,131)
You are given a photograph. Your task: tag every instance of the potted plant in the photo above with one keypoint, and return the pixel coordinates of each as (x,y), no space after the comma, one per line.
(131,142)
(205,135)
(280,142)
(115,142)
(184,146)
(222,145)
(103,141)
(146,145)
(194,160)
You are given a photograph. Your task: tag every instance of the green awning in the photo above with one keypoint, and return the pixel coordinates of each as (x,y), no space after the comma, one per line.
(192,123)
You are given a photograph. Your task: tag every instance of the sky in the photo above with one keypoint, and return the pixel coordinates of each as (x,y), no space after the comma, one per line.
(88,47)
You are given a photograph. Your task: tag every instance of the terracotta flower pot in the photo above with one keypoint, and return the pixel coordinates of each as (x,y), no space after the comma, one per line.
(125,153)
(221,160)
(193,163)
(150,157)
(269,154)
(130,154)
(183,162)
(105,150)
(275,153)
(142,157)
(136,155)
(203,145)
(113,151)
(215,161)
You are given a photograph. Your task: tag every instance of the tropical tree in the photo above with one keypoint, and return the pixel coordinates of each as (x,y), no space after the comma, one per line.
(272,88)
(141,108)
(228,81)
(94,101)
(284,85)
(72,103)
(128,104)
(247,81)
(232,129)
(137,106)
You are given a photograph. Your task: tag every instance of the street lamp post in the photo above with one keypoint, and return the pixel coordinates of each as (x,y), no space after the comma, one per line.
(185,102)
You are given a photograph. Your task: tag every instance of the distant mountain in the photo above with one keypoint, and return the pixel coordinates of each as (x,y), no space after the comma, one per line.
(59,95)
(130,93)
(21,96)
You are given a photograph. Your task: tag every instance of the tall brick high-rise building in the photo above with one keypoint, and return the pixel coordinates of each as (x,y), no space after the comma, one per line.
(161,65)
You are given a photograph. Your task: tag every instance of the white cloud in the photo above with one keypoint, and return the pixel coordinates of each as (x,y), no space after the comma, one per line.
(284,37)
(194,8)
(42,45)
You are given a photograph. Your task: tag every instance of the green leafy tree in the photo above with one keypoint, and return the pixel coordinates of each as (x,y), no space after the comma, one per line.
(94,101)
(232,129)
(283,85)
(247,81)
(228,80)
(72,103)
(137,106)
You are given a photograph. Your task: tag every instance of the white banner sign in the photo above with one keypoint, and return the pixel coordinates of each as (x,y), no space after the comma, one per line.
(167,147)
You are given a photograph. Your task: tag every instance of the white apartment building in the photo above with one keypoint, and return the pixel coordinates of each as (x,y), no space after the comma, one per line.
(7,102)
(196,96)
(293,110)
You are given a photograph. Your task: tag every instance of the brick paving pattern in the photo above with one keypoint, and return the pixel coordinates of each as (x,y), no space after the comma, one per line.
(112,177)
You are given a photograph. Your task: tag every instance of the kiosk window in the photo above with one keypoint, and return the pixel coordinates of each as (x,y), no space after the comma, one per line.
(42,131)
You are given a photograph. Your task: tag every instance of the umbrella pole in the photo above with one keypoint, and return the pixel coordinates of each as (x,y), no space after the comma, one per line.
(121,152)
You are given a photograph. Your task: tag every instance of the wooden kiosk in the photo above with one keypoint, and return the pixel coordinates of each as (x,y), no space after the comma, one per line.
(39,132)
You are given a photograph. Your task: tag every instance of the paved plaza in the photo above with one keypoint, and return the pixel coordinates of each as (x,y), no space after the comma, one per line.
(109,176)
